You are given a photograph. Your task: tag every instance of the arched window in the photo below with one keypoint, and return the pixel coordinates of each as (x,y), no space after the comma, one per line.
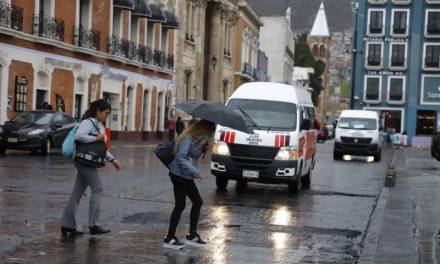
(322,51)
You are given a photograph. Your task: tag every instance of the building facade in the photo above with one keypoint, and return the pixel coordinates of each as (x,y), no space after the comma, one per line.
(67,53)
(276,39)
(319,42)
(246,46)
(397,65)
(205,49)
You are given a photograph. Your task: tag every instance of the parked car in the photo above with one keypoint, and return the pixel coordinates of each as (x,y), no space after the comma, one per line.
(331,131)
(36,131)
(323,134)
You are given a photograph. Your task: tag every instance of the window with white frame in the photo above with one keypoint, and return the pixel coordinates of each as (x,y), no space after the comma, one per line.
(398,55)
(374,55)
(431,56)
(396,89)
(433,1)
(372,88)
(400,18)
(376,18)
(432,24)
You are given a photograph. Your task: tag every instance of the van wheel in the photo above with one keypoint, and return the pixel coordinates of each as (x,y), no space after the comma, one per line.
(241,185)
(306,180)
(221,183)
(337,155)
(378,156)
(296,185)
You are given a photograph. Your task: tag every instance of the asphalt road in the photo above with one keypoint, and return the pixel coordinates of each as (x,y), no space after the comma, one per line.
(325,224)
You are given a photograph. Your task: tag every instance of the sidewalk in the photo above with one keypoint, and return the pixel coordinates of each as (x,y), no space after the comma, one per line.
(407,216)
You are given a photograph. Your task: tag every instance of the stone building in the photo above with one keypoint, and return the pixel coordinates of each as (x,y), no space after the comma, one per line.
(205,49)
(277,41)
(70,52)
(319,42)
(246,46)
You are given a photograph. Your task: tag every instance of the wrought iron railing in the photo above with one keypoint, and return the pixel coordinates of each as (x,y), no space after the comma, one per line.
(49,27)
(86,38)
(11,16)
(140,53)
(118,46)
(247,69)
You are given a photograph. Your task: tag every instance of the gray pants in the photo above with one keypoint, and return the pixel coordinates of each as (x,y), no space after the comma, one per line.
(87,176)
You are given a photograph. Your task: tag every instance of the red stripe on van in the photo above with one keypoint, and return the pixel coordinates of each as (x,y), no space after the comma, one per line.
(232,138)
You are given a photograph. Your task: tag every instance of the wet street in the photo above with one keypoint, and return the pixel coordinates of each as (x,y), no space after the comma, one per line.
(262,224)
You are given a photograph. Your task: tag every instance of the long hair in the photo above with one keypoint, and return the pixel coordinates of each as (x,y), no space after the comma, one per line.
(94,107)
(200,129)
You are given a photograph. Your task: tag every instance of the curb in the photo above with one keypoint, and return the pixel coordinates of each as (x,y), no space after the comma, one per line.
(371,239)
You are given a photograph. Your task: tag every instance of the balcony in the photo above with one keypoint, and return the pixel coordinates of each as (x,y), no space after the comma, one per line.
(140,53)
(119,47)
(256,75)
(247,69)
(11,16)
(49,27)
(86,38)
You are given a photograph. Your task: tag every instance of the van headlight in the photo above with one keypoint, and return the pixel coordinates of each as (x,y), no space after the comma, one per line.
(287,153)
(36,131)
(220,148)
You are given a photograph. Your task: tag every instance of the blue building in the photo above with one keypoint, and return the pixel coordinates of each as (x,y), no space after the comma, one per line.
(396,56)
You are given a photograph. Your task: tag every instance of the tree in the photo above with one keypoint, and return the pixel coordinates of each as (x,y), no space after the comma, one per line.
(305,58)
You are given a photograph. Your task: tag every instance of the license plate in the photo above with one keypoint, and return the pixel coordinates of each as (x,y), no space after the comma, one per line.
(12,140)
(250,174)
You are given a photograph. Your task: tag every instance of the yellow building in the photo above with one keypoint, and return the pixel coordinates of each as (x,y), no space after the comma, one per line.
(247,44)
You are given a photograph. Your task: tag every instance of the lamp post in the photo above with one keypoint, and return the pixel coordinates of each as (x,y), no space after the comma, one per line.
(353,53)
(214,62)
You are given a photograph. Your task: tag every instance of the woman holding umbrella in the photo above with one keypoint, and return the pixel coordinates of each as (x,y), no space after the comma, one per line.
(189,147)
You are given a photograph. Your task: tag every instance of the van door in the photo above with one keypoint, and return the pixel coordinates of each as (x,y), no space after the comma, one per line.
(308,139)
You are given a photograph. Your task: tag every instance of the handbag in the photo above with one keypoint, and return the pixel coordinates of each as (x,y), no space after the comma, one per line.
(68,147)
(164,152)
(91,154)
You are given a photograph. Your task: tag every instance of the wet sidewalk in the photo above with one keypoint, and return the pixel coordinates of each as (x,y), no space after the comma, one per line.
(407,216)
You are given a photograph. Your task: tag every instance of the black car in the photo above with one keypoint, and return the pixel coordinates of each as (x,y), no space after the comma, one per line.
(36,131)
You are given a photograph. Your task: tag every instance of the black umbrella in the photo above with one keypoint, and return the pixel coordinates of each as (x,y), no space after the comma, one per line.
(216,112)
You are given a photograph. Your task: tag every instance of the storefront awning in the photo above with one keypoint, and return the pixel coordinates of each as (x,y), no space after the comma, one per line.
(171,20)
(142,9)
(157,14)
(124,4)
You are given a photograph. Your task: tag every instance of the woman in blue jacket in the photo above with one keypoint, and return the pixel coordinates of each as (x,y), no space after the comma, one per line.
(190,145)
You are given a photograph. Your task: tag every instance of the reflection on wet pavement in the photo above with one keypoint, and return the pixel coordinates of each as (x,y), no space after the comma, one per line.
(261,225)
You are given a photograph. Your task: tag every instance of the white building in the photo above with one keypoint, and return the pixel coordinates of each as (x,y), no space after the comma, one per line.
(276,38)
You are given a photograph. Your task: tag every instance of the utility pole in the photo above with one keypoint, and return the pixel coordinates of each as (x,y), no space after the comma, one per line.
(354,52)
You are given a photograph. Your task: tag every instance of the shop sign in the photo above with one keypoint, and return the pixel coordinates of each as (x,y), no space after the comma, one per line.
(107,73)
(431,89)
(63,64)
(386,73)
(382,39)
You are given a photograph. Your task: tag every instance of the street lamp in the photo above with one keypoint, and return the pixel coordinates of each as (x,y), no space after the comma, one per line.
(355,6)
(214,62)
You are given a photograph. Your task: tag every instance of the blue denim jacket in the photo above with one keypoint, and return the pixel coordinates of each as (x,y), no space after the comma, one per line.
(185,163)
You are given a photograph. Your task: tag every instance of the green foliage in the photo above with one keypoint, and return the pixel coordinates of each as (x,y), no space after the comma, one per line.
(305,58)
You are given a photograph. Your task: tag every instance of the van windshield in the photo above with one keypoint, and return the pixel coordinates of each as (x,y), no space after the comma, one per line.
(357,123)
(267,114)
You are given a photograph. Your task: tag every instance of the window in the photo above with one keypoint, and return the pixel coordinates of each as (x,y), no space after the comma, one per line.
(400,22)
(150,34)
(134,35)
(398,55)
(164,40)
(374,55)
(20,94)
(432,56)
(117,20)
(432,23)
(401,2)
(396,89)
(85,14)
(426,122)
(375,21)
(372,88)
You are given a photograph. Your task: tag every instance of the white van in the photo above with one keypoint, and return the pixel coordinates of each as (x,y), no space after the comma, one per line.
(283,148)
(358,133)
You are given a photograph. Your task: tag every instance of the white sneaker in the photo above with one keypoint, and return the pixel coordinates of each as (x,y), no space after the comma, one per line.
(194,240)
(173,243)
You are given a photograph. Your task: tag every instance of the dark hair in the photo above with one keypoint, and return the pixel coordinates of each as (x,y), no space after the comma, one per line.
(94,107)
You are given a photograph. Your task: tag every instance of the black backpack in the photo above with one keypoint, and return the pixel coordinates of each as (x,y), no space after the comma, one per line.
(164,152)
(435,147)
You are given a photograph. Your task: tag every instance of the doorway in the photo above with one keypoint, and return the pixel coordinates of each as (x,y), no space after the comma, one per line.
(42,98)
(426,122)
(128,110)
(113,120)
